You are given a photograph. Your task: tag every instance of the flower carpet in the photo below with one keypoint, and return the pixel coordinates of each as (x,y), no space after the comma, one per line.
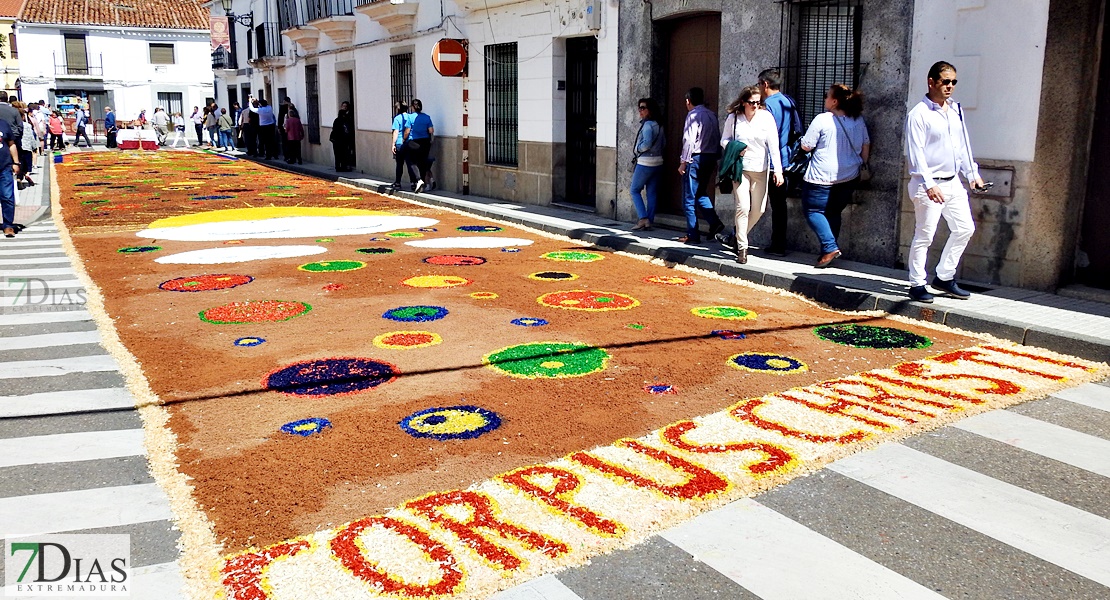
(347,395)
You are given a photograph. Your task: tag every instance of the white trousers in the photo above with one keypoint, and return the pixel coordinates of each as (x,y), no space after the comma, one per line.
(956,211)
(751,203)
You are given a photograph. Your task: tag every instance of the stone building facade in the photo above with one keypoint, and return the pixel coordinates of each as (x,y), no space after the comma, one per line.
(553,87)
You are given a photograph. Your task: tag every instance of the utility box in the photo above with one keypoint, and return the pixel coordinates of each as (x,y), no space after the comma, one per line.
(593,15)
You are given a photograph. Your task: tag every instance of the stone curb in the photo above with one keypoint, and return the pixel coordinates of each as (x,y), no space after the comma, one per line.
(832,295)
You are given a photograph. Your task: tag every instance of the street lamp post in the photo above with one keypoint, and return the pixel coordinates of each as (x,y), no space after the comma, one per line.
(246,20)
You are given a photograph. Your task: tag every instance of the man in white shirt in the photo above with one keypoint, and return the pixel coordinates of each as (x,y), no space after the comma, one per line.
(161,122)
(939,151)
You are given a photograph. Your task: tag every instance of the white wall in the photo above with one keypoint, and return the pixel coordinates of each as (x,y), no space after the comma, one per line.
(997,47)
(127,71)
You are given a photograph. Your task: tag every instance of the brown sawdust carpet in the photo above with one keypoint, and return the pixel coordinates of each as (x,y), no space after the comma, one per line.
(259,485)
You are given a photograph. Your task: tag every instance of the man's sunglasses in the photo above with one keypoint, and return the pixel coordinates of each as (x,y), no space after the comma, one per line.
(947,81)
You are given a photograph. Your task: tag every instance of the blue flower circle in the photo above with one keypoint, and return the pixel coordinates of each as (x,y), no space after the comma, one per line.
(450,423)
(306,427)
(247,342)
(529,322)
(479,228)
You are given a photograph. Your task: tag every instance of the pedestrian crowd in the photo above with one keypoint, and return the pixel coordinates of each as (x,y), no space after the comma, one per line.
(762,152)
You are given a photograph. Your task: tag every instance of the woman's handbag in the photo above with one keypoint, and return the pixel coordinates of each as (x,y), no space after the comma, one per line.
(725,185)
(412,145)
(864,168)
(800,161)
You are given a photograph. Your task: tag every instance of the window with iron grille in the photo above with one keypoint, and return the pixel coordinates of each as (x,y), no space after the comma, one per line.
(161,54)
(312,91)
(501,104)
(400,77)
(819,45)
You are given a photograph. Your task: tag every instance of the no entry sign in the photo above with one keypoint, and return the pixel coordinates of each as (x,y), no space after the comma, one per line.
(449,57)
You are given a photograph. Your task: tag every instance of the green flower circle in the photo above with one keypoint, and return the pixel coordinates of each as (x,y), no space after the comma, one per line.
(326,266)
(547,360)
(731,313)
(870,336)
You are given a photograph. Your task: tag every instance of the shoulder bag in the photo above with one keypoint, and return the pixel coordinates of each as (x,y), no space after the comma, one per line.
(864,168)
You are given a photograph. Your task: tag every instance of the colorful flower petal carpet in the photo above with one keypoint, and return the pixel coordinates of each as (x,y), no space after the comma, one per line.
(347,395)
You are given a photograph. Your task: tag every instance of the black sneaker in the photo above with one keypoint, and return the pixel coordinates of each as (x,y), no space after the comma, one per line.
(920,294)
(950,288)
(726,240)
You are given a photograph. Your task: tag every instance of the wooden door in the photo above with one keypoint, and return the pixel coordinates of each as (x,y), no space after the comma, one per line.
(693,60)
(581,162)
(1095,241)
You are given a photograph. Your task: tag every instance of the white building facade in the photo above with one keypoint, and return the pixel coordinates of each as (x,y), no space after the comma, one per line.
(131,64)
(521,90)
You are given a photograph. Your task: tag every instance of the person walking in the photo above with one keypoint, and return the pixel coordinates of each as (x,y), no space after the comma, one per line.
(647,161)
(81,122)
(253,147)
(236,114)
(701,138)
(749,123)
(245,136)
(224,124)
(161,123)
(212,125)
(401,122)
(340,139)
(294,133)
(198,122)
(110,128)
(939,151)
(841,145)
(28,144)
(788,123)
(57,129)
(267,130)
(9,168)
(418,140)
(12,115)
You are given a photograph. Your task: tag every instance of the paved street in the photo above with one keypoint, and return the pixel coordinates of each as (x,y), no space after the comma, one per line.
(1009,504)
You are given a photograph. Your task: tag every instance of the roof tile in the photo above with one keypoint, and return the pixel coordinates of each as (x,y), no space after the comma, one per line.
(155,14)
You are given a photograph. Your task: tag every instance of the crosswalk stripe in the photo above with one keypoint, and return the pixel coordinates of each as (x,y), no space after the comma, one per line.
(42,260)
(47,340)
(547,587)
(18,245)
(769,542)
(1088,394)
(70,447)
(36,233)
(49,403)
(39,272)
(157,581)
(1053,441)
(52,367)
(1053,531)
(35,318)
(84,509)
(14,252)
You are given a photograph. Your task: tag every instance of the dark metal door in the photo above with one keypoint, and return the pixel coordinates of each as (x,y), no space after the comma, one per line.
(1095,241)
(694,60)
(581,158)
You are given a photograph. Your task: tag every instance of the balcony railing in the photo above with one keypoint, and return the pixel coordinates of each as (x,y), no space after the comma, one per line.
(94,70)
(222,59)
(267,40)
(323,9)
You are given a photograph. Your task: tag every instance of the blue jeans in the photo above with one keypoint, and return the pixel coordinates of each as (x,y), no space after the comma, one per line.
(823,205)
(225,139)
(695,195)
(645,178)
(7,197)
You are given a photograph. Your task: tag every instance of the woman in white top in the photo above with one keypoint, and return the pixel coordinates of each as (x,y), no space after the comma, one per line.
(750,123)
(840,145)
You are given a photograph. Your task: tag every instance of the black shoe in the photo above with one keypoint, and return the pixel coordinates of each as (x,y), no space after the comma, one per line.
(742,256)
(775,251)
(726,240)
(715,229)
(950,288)
(920,294)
